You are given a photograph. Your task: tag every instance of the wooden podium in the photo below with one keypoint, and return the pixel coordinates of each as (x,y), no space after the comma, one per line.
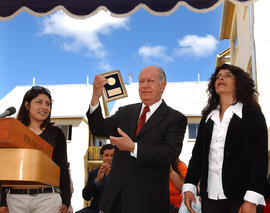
(25,158)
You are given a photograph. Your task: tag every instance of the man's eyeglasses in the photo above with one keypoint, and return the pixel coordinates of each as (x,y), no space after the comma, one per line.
(39,88)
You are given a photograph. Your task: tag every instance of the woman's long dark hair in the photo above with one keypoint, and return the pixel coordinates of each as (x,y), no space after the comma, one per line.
(245,91)
(23,114)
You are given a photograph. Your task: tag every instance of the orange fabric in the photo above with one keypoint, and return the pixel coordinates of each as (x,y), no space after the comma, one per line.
(175,194)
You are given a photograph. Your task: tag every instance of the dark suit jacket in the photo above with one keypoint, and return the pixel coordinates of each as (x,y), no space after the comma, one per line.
(93,190)
(245,155)
(142,181)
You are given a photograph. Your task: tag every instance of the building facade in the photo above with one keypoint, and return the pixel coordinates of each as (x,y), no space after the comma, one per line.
(246,26)
(70,103)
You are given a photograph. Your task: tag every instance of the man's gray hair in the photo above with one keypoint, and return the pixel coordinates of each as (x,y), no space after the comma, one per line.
(162,75)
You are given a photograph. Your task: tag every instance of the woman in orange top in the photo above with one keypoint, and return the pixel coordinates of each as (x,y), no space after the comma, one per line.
(177,177)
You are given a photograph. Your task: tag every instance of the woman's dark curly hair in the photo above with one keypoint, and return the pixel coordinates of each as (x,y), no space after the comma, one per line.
(23,115)
(245,91)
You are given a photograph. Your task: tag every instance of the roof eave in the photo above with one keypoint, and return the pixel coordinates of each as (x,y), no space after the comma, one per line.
(226,21)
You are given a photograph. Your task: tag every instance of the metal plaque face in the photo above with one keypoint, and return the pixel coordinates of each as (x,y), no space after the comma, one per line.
(115,87)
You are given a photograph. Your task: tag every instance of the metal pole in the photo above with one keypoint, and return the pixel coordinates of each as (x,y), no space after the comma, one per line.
(253,54)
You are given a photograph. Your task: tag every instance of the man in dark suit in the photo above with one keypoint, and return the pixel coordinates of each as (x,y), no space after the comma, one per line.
(138,181)
(97,179)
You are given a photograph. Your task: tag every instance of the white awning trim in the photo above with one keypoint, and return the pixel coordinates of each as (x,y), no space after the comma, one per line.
(139,6)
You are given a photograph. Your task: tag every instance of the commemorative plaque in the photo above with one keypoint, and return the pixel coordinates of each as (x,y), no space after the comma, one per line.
(115,87)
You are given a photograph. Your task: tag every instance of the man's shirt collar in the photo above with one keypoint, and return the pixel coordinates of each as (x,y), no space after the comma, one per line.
(153,107)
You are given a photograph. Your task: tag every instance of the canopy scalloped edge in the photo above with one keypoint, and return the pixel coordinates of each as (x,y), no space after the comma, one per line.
(144,6)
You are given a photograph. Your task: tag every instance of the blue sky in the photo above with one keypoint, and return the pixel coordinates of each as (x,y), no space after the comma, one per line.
(58,49)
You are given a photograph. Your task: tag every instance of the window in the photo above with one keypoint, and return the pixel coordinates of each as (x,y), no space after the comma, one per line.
(192,131)
(67,130)
(96,141)
(99,142)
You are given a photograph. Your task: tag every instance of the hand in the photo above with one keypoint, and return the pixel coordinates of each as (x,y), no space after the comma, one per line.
(123,143)
(104,169)
(177,180)
(248,207)
(171,169)
(63,209)
(189,198)
(98,85)
(4,209)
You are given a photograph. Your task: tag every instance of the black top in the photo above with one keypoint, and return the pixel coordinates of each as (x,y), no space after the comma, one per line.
(56,138)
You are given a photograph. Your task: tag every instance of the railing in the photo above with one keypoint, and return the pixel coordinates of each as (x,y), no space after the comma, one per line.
(93,153)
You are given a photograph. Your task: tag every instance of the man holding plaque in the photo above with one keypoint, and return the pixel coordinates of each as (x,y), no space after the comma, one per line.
(149,137)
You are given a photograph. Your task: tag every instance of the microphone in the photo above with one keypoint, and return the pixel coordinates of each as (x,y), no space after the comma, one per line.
(8,112)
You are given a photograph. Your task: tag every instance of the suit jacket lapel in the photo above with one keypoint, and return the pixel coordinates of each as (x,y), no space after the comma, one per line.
(209,125)
(234,125)
(155,119)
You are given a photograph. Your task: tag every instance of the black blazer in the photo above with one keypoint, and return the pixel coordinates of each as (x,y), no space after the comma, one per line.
(245,155)
(93,190)
(143,181)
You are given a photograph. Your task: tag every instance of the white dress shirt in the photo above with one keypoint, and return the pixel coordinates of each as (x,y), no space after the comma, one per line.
(216,152)
(152,108)
(215,189)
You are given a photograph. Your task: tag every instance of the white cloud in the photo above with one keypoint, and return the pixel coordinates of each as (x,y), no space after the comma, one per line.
(154,52)
(193,45)
(82,35)
(103,65)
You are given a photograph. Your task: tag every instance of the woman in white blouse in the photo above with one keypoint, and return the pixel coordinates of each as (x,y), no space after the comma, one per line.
(230,154)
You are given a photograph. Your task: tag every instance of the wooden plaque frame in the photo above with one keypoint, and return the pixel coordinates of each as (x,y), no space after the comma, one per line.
(115,89)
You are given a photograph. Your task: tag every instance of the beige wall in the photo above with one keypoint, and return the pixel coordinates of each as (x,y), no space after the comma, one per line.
(188,144)
(261,38)
(262,45)
(241,24)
